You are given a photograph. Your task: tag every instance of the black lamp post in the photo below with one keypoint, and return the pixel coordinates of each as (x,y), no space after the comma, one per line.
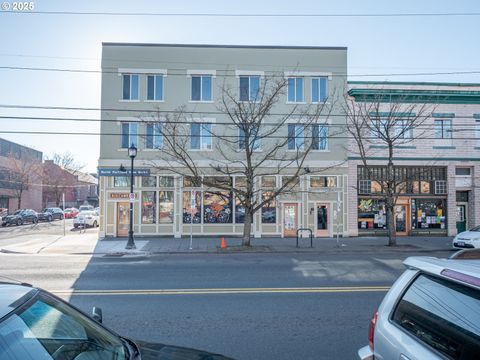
(132,152)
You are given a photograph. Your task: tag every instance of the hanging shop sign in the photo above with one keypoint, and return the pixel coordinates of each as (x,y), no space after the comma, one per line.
(118,172)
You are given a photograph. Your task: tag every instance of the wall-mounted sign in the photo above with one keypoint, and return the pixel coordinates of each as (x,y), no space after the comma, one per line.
(121,196)
(126,172)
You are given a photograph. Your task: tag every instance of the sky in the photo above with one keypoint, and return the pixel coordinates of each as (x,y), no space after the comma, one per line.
(377,48)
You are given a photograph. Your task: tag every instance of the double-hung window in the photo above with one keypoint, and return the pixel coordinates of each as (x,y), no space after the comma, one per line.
(130,87)
(296,137)
(154,138)
(295,89)
(155,87)
(319,89)
(320,137)
(201,87)
(253,140)
(201,136)
(249,88)
(129,134)
(443,128)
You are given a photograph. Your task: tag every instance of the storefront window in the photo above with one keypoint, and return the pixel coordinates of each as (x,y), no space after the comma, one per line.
(189,214)
(149,181)
(323,181)
(165,181)
(217,207)
(165,207)
(372,214)
(239,212)
(294,181)
(149,202)
(429,214)
(269,210)
(189,181)
(213,181)
(269,182)
(121,181)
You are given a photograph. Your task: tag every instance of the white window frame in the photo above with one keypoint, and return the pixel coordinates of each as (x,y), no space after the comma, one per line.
(319,101)
(477,129)
(155,88)
(203,146)
(441,187)
(364,184)
(130,136)
(201,73)
(400,125)
(327,127)
(444,130)
(296,138)
(249,74)
(156,135)
(295,85)
(257,144)
(130,90)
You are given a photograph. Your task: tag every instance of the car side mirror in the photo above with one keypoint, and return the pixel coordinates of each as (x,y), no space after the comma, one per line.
(97,314)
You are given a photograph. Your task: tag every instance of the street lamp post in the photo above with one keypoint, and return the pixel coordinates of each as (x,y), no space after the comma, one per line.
(132,152)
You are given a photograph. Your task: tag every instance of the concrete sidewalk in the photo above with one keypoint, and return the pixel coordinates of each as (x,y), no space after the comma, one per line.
(88,244)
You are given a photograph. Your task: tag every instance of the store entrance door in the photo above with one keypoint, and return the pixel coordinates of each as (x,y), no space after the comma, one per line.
(461,218)
(323,227)
(402,217)
(290,219)
(123,209)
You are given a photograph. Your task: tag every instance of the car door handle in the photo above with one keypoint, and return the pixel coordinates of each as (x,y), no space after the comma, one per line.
(403,357)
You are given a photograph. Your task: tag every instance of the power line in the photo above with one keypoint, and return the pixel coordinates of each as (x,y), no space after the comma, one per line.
(184,73)
(248,15)
(159,120)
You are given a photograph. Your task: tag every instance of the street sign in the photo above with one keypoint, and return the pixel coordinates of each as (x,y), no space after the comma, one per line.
(131,196)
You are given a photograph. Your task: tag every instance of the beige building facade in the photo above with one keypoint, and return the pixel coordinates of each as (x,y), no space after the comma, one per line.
(142,80)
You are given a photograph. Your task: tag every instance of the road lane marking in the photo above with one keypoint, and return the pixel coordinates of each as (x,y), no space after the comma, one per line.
(342,289)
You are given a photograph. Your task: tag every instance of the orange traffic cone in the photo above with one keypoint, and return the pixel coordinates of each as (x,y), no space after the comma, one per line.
(223,244)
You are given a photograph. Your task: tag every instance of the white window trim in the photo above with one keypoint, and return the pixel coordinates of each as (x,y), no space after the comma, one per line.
(195,73)
(360,187)
(154,88)
(212,73)
(145,131)
(327,123)
(125,71)
(311,89)
(305,137)
(239,73)
(308,74)
(295,90)
(130,100)
(437,183)
(203,121)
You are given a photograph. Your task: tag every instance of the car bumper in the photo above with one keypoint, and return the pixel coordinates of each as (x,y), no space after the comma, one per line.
(365,353)
(463,244)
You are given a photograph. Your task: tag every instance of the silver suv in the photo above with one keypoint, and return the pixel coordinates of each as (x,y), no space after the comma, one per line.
(431,312)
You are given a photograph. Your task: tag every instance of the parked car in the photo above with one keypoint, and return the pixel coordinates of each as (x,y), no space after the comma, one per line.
(431,312)
(50,214)
(470,254)
(70,213)
(86,219)
(85,208)
(20,217)
(3,213)
(35,324)
(467,239)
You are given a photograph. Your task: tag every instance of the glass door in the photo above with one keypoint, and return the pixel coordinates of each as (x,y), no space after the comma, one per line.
(461,219)
(401,219)
(322,228)
(290,220)
(123,210)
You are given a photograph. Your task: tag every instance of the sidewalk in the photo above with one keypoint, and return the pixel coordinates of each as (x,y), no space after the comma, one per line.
(88,244)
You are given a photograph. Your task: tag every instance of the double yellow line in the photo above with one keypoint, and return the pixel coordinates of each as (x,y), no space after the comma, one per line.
(216,291)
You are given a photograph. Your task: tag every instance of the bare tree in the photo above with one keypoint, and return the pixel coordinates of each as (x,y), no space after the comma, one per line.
(252,142)
(379,128)
(66,160)
(23,173)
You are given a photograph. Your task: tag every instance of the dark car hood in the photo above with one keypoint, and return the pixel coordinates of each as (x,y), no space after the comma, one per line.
(10,217)
(155,351)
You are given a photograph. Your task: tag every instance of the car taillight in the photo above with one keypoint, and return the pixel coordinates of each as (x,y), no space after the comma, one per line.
(371,329)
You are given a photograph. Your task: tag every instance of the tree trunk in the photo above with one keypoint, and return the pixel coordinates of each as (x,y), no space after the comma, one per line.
(392,234)
(20,200)
(247,227)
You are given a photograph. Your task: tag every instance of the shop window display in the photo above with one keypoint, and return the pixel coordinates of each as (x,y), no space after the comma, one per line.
(429,214)
(239,212)
(372,214)
(149,202)
(165,207)
(192,215)
(217,207)
(269,210)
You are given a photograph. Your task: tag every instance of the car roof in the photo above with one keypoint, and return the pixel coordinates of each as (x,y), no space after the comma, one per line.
(9,295)
(464,271)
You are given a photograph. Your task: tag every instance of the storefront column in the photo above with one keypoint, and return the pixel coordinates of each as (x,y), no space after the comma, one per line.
(352,199)
(475,197)
(451,201)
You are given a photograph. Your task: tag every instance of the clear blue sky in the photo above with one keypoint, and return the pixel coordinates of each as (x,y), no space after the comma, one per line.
(378,45)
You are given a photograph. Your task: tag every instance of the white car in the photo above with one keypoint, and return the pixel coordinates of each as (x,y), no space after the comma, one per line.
(431,312)
(86,219)
(468,239)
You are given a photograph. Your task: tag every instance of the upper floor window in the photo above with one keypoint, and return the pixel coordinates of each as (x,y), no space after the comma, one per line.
(319,89)
(295,89)
(443,128)
(477,129)
(201,88)
(154,138)
(403,129)
(155,87)
(129,135)
(296,137)
(130,87)
(201,136)
(253,140)
(320,137)
(249,88)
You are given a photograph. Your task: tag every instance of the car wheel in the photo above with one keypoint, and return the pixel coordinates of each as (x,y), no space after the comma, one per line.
(50,218)
(35,220)
(4,224)
(75,226)
(95,224)
(19,222)
(61,217)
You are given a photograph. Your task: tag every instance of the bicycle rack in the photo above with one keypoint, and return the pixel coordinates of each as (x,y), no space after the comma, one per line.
(311,235)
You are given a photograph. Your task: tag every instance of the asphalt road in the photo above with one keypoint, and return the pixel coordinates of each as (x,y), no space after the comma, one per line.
(248,306)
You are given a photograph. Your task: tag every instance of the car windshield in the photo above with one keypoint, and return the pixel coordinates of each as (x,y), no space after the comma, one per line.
(50,329)
(18,212)
(476,228)
(87,213)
